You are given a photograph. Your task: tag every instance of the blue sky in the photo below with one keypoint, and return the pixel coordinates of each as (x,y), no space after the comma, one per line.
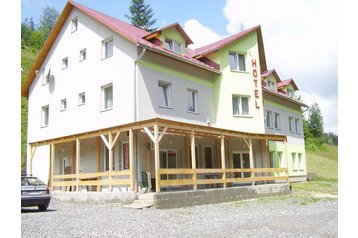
(300,36)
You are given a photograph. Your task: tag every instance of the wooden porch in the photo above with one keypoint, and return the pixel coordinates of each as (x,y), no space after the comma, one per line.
(190,177)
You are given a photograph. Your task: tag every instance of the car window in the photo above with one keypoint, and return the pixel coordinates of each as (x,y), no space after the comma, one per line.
(32,182)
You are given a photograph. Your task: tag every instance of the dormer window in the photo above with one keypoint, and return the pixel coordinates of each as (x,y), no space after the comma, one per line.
(74,24)
(172,46)
(271,85)
(290,93)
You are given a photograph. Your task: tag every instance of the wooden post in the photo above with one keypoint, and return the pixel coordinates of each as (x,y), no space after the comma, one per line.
(193,157)
(149,162)
(252,166)
(78,148)
(73,157)
(286,153)
(52,164)
(98,160)
(110,159)
(263,164)
(223,160)
(131,162)
(187,152)
(32,151)
(217,145)
(156,158)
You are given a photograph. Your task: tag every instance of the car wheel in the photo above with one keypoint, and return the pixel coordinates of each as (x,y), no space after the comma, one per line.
(43,207)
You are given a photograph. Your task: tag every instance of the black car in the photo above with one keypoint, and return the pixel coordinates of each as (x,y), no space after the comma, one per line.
(34,192)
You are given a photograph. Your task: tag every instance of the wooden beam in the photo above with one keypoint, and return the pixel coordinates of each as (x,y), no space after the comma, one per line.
(32,151)
(78,150)
(251,154)
(52,148)
(115,139)
(286,153)
(262,149)
(156,158)
(162,133)
(98,159)
(108,145)
(131,162)
(223,160)
(110,155)
(193,158)
(149,134)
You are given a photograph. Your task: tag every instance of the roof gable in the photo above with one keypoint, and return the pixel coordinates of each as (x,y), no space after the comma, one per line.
(177,27)
(286,83)
(271,73)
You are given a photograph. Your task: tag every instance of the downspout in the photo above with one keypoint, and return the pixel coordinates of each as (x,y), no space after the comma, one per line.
(139,57)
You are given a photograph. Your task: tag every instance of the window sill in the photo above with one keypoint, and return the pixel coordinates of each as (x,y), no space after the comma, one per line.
(238,71)
(165,107)
(295,170)
(44,126)
(277,129)
(62,110)
(105,110)
(243,116)
(104,58)
(82,104)
(64,68)
(196,113)
(301,170)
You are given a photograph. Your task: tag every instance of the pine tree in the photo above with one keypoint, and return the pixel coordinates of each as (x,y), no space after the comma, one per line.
(315,121)
(141,15)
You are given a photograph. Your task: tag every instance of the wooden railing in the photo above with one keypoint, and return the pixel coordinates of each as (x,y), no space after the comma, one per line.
(220,176)
(69,182)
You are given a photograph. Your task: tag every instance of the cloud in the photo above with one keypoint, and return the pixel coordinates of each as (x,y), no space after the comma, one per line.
(200,34)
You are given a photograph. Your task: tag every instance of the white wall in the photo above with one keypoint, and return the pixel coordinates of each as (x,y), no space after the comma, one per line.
(87,76)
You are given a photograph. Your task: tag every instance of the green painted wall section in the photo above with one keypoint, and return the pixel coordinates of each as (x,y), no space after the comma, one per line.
(175,73)
(270,103)
(173,34)
(280,147)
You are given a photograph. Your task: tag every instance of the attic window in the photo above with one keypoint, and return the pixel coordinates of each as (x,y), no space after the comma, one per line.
(172,46)
(271,85)
(107,48)
(65,63)
(290,93)
(74,24)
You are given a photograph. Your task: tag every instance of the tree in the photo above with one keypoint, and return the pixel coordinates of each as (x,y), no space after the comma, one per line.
(141,15)
(315,121)
(48,19)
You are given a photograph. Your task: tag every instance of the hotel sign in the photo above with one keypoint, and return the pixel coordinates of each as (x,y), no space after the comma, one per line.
(256,90)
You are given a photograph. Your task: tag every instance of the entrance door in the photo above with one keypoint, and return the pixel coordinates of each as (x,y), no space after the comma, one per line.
(168,160)
(241,160)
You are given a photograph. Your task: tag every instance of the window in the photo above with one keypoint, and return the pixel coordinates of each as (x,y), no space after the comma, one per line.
(237,62)
(65,63)
(83,55)
(290,93)
(172,46)
(271,85)
(63,104)
(277,120)
(300,161)
(125,155)
(107,48)
(164,94)
(74,24)
(107,97)
(297,126)
(269,119)
(291,124)
(46,77)
(45,115)
(294,161)
(240,105)
(192,100)
(81,99)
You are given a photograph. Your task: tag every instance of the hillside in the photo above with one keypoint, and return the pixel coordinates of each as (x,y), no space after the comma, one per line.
(324,163)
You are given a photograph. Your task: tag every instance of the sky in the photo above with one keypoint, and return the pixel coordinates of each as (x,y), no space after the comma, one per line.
(300,36)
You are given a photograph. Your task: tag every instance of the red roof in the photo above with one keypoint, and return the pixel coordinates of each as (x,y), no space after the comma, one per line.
(218,44)
(175,25)
(271,72)
(287,82)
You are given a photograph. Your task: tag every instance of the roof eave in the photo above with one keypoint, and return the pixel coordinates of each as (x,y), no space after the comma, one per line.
(284,97)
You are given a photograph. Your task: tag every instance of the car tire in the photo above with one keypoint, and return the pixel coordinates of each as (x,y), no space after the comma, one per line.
(43,207)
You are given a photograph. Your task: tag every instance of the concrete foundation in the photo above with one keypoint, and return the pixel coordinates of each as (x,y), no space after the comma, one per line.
(123,198)
(166,200)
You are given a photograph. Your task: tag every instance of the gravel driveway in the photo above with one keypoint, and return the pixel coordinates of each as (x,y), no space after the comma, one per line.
(284,217)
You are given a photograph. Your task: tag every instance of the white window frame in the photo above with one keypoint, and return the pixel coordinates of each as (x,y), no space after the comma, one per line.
(297,126)
(46,77)
(271,85)
(161,86)
(83,55)
(299,155)
(170,44)
(269,119)
(104,106)
(63,104)
(192,100)
(290,92)
(104,48)
(81,99)
(74,24)
(65,63)
(240,105)
(291,124)
(236,66)
(294,161)
(45,116)
(276,121)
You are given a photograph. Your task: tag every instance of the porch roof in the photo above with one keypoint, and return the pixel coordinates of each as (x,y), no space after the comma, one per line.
(173,127)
